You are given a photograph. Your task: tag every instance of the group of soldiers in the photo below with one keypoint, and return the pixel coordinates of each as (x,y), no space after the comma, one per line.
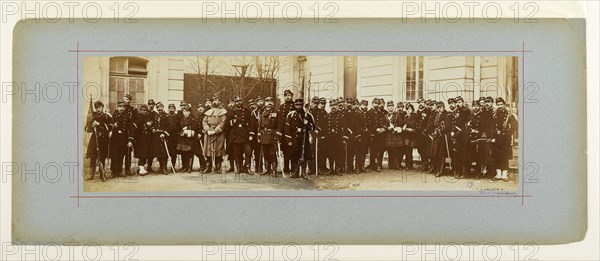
(299,139)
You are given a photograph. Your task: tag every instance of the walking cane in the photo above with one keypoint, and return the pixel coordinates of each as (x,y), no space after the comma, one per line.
(98,161)
(280,158)
(168,154)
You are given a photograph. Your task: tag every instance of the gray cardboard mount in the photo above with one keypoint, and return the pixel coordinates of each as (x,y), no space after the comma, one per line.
(552,209)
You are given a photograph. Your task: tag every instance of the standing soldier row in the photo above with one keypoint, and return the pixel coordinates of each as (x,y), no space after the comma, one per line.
(299,141)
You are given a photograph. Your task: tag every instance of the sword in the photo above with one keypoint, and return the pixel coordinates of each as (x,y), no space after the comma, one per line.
(317,156)
(280,158)
(168,154)
(212,152)
(448,151)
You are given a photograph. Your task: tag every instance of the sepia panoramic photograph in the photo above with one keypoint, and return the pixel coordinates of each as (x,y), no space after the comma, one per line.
(223,123)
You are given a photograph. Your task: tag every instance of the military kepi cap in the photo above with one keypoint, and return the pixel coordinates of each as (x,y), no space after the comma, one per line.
(151,102)
(299,102)
(238,98)
(98,104)
(269,98)
(286,92)
(499,99)
(121,103)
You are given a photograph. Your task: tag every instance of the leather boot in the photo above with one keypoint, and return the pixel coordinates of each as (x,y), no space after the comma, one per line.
(208,168)
(92,172)
(274,170)
(238,164)
(218,165)
(267,171)
(231,167)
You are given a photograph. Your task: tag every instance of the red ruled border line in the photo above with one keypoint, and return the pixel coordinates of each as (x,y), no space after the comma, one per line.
(297,51)
(308,196)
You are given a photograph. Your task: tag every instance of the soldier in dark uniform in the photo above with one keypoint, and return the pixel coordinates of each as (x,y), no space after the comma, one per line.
(132,115)
(187,135)
(472,151)
(410,134)
(504,124)
(298,125)
(395,139)
(143,138)
(121,140)
(430,129)
(377,125)
(199,141)
(100,126)
(320,116)
(159,136)
(256,146)
(214,124)
(440,145)
(152,114)
(486,127)
(228,149)
(422,140)
(270,126)
(208,102)
(285,108)
(351,126)
(461,116)
(361,135)
(334,138)
(241,134)
(172,133)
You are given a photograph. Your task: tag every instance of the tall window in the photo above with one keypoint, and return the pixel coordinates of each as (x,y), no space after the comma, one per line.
(127,76)
(414,77)
(302,75)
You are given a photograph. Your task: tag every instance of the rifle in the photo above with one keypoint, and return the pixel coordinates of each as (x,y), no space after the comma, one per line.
(98,161)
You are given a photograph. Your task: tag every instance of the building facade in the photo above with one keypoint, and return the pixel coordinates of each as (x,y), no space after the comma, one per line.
(402,78)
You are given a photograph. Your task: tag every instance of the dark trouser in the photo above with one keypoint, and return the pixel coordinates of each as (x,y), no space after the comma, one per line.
(502,151)
(407,151)
(377,150)
(186,159)
(268,151)
(300,156)
(142,161)
(287,157)
(424,147)
(360,151)
(394,157)
(238,150)
(350,155)
(458,153)
(321,153)
(118,149)
(258,157)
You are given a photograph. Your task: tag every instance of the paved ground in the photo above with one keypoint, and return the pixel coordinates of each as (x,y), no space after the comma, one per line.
(386,180)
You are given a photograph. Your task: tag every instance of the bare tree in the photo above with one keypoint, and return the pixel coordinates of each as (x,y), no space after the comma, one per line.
(203,66)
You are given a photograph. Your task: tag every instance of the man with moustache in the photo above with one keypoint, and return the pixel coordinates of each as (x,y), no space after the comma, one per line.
(422,140)
(378,124)
(410,134)
(320,116)
(240,135)
(334,139)
(285,108)
(159,135)
(152,115)
(461,116)
(440,145)
(504,124)
(361,135)
(472,150)
(486,128)
(348,130)
(298,125)
(121,140)
(270,127)
(143,138)
(256,146)
(214,124)
(97,149)
(172,133)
